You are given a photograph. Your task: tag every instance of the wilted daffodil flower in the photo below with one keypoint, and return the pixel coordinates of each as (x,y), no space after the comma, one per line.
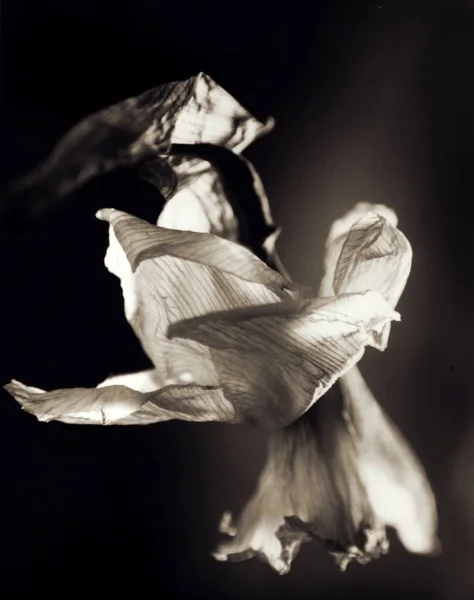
(233,340)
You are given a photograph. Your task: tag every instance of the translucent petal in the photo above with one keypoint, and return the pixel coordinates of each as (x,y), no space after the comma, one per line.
(211,115)
(120,405)
(180,278)
(309,489)
(143,381)
(374,256)
(396,483)
(275,361)
(142,241)
(365,251)
(367,234)
(201,206)
(231,198)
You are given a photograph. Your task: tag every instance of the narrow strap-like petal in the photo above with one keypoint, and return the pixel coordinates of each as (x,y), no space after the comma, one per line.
(396,483)
(120,405)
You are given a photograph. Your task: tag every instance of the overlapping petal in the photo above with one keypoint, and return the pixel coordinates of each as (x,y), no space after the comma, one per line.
(366,251)
(227,199)
(340,474)
(166,276)
(275,361)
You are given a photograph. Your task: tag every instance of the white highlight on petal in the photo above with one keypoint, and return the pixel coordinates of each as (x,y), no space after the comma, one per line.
(143,381)
(396,483)
(184,211)
(213,116)
(117,263)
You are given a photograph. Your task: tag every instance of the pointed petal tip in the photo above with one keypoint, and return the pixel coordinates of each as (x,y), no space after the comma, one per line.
(268,125)
(104,214)
(226,526)
(219,556)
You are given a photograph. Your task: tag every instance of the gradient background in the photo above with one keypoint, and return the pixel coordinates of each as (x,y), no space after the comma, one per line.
(374,101)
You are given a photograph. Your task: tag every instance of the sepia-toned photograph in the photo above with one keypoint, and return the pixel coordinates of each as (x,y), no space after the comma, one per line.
(236,253)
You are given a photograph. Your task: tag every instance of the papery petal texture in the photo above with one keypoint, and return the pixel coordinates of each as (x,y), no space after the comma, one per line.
(166,276)
(169,275)
(275,361)
(139,132)
(366,251)
(121,405)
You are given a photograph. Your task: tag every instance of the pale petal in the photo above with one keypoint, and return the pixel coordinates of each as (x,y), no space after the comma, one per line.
(309,489)
(120,405)
(143,381)
(365,251)
(396,483)
(142,241)
(182,280)
(374,256)
(211,115)
(339,233)
(275,361)
(201,206)
(232,199)
(138,131)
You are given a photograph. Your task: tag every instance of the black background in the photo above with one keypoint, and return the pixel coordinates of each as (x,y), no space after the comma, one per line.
(373,102)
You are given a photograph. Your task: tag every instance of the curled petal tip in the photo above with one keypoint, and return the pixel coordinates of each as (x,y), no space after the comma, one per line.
(226,526)
(269,125)
(103,214)
(219,556)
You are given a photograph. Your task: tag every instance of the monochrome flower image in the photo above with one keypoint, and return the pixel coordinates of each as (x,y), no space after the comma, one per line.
(233,339)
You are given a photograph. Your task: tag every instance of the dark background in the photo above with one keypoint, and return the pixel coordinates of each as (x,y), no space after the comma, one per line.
(373,102)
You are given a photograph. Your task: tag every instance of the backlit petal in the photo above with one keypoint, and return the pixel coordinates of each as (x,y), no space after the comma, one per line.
(143,381)
(396,483)
(275,361)
(366,251)
(120,405)
(178,276)
(309,489)
(201,206)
